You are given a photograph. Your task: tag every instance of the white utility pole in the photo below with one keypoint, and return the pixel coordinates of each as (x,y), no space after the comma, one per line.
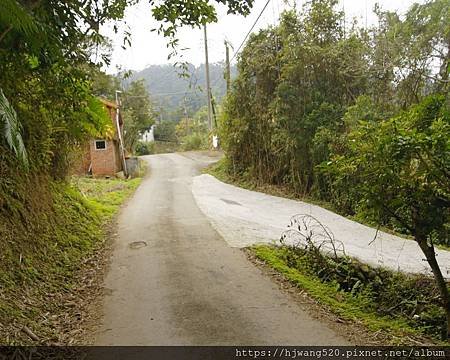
(208,85)
(119,133)
(227,67)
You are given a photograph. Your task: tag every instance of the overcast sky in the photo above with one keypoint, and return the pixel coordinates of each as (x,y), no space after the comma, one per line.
(149,48)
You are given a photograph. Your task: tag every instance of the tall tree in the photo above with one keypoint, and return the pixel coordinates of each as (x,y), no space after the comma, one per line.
(138,114)
(400,169)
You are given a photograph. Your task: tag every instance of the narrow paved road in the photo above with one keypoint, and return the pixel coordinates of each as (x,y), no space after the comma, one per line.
(173,280)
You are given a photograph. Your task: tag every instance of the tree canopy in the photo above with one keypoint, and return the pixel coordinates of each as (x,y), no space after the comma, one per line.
(49,71)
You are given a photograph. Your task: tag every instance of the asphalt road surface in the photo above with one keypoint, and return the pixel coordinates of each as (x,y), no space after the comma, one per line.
(173,280)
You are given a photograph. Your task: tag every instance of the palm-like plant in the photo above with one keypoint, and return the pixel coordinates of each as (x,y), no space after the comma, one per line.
(11,129)
(14,16)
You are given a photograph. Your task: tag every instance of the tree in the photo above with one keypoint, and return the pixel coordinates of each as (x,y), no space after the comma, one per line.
(410,56)
(400,169)
(137,113)
(298,79)
(165,131)
(49,43)
(293,80)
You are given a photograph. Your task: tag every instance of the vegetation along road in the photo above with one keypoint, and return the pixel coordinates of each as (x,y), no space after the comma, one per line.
(174,280)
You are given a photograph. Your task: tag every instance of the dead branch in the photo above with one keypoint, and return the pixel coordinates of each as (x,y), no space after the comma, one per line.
(31,334)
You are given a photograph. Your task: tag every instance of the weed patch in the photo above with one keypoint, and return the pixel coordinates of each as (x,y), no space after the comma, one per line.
(406,306)
(53,235)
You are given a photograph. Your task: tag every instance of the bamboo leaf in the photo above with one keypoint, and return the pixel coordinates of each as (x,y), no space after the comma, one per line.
(11,129)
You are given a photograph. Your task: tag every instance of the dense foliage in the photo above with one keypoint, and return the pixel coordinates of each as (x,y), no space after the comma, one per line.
(190,133)
(193,132)
(303,85)
(138,115)
(398,296)
(44,51)
(166,131)
(308,87)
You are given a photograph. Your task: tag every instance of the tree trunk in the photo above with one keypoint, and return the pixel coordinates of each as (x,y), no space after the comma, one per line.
(430,255)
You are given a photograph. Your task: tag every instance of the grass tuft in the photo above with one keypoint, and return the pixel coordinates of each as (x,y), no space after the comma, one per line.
(362,306)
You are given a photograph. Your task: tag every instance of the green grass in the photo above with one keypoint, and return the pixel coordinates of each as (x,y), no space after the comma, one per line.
(45,241)
(344,304)
(105,196)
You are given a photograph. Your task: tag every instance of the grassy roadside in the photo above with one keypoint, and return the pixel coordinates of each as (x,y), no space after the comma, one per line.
(51,259)
(105,196)
(364,306)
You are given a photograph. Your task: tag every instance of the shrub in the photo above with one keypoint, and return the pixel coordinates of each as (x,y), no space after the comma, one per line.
(393,294)
(145,148)
(194,142)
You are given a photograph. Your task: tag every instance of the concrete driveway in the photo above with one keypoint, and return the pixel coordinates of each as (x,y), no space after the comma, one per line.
(246,217)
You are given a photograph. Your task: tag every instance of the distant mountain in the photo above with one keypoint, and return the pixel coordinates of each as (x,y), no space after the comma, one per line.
(174,92)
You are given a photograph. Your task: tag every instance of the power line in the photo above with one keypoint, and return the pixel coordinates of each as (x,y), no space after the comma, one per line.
(251,29)
(173,93)
(243,41)
(234,55)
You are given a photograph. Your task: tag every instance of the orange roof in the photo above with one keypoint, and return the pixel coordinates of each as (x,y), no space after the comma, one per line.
(108,103)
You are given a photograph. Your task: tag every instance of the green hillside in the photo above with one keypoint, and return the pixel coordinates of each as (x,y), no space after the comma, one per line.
(174,93)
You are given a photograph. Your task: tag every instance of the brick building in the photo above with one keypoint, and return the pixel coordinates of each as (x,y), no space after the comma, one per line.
(104,157)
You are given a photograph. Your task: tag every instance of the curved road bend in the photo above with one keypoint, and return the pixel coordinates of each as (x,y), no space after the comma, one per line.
(174,281)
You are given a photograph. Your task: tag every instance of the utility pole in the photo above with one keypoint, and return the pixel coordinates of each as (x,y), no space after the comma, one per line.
(119,134)
(208,85)
(186,121)
(184,107)
(227,69)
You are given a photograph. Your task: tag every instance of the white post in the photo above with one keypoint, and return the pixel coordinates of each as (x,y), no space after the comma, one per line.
(121,148)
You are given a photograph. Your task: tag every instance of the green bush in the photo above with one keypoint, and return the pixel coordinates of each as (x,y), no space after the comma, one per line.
(195,142)
(145,148)
(413,298)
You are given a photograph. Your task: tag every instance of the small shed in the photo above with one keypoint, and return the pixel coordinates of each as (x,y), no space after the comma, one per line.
(105,156)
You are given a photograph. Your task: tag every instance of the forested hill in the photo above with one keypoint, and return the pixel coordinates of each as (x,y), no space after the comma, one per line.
(172,93)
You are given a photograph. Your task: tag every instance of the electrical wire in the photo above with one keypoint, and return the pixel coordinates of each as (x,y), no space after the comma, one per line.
(243,41)
(249,32)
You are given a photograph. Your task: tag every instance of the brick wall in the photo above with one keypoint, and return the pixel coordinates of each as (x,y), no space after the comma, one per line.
(105,161)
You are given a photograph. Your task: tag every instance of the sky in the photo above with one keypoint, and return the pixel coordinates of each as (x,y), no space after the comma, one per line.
(149,48)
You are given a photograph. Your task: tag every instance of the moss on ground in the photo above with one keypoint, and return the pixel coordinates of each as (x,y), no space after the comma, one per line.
(48,232)
(361,306)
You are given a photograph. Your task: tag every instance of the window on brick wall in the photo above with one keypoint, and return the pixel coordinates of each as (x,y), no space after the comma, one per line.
(100,144)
